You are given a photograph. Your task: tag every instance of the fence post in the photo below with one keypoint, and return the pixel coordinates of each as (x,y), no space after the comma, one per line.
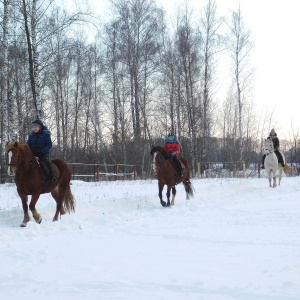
(199,169)
(134,170)
(97,173)
(116,171)
(244,169)
(73,171)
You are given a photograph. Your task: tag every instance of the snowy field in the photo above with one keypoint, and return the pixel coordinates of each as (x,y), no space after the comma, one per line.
(237,239)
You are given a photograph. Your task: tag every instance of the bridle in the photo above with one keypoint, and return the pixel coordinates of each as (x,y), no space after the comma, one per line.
(268,150)
(19,161)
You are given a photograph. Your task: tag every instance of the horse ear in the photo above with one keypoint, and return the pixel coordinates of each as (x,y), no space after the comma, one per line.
(16,144)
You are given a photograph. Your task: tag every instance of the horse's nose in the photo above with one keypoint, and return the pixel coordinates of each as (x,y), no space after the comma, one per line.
(10,172)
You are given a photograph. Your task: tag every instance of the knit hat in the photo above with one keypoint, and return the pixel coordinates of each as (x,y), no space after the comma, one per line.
(273,132)
(37,123)
(171,136)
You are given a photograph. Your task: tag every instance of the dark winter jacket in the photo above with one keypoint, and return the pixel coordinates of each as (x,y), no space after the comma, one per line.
(172,146)
(40,142)
(275,141)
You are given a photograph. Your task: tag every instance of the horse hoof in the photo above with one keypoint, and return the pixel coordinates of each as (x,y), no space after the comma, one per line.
(39,221)
(163,203)
(23,225)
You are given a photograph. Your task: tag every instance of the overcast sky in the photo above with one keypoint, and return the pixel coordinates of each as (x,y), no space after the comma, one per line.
(274,26)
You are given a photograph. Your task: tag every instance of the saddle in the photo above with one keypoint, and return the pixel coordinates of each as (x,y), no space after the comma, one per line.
(45,170)
(179,167)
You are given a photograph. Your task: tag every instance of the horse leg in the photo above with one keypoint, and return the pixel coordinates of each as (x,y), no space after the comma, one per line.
(280,176)
(173,195)
(26,219)
(160,189)
(59,204)
(37,217)
(168,195)
(270,179)
(274,180)
(188,189)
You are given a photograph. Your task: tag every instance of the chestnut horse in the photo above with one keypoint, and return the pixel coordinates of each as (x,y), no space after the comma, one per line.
(166,175)
(29,180)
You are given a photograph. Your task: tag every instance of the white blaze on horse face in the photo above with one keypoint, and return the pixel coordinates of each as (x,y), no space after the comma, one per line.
(153,162)
(9,161)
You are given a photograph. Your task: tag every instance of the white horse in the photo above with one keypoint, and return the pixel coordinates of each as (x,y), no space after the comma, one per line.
(271,163)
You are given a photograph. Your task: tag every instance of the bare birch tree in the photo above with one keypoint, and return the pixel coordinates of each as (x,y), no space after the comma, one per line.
(240,45)
(5,136)
(188,41)
(138,42)
(209,27)
(30,15)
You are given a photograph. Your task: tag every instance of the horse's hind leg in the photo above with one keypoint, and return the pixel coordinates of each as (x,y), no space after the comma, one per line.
(37,217)
(26,219)
(280,176)
(274,181)
(59,203)
(173,195)
(188,189)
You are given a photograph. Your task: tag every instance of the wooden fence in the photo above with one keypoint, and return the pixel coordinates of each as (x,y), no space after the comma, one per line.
(89,172)
(98,172)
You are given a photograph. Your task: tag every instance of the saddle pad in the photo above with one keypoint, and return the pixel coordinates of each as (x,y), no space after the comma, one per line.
(45,171)
(55,170)
(182,166)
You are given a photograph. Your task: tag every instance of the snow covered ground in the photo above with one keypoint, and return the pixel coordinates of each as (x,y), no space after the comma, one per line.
(236,239)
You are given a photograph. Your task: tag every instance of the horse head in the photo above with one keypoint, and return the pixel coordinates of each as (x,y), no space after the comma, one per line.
(269,146)
(155,149)
(159,155)
(16,153)
(161,150)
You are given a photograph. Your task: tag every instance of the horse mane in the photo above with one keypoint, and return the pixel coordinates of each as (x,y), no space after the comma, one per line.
(17,146)
(161,150)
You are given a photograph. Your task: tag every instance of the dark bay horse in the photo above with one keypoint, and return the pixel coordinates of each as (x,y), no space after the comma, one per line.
(29,180)
(163,165)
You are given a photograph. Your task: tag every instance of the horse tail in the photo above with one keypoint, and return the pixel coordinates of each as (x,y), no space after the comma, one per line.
(69,200)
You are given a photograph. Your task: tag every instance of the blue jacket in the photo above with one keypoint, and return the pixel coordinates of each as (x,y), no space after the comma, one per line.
(41,141)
